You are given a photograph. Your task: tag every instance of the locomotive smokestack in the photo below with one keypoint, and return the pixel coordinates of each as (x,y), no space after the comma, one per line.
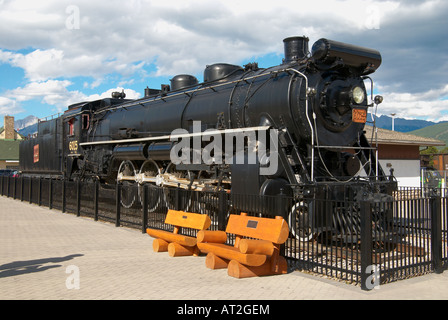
(296,48)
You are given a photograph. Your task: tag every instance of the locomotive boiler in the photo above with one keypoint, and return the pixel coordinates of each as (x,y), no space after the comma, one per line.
(296,128)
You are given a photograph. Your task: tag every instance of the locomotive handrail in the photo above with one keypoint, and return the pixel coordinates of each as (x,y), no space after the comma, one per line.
(176,136)
(344,147)
(307,117)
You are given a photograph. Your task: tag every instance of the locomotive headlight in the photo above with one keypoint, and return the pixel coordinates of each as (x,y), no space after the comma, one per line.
(358,95)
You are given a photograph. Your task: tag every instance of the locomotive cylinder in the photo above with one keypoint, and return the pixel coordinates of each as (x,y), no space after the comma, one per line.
(131,152)
(160,151)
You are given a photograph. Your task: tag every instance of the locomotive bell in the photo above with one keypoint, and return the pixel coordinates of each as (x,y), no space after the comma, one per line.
(118,95)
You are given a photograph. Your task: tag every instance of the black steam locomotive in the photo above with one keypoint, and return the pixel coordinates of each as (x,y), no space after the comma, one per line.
(295,128)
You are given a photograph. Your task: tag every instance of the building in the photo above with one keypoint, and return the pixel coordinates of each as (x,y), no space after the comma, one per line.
(9,145)
(401,152)
(439,161)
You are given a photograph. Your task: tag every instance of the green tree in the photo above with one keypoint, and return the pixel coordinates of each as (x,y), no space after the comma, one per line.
(430,150)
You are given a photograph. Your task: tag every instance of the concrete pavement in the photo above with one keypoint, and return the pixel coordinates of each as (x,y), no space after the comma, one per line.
(47,255)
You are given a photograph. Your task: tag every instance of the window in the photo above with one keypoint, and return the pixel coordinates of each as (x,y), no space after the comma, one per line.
(71,127)
(85,121)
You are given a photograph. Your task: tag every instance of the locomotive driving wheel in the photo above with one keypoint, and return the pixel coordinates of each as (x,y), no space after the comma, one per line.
(207,201)
(148,176)
(299,222)
(176,177)
(126,177)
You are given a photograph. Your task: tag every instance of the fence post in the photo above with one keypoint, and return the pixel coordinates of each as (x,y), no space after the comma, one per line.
(14,191)
(117,204)
(436,233)
(95,200)
(7,186)
(64,202)
(50,193)
(21,188)
(145,207)
(30,189)
(222,210)
(177,197)
(366,245)
(281,204)
(78,198)
(39,192)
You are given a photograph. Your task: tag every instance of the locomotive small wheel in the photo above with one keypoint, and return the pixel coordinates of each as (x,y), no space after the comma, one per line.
(128,193)
(299,222)
(149,170)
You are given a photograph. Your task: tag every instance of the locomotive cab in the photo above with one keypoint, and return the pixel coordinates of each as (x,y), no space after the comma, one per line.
(75,125)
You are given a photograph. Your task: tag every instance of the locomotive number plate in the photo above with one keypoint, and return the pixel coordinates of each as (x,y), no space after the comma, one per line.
(73,146)
(359,115)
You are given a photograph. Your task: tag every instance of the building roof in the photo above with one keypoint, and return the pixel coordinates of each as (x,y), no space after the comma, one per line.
(18,135)
(401,138)
(9,150)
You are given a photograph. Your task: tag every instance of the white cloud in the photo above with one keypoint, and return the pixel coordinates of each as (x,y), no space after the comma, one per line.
(429,105)
(117,37)
(55,93)
(178,36)
(9,106)
(130,94)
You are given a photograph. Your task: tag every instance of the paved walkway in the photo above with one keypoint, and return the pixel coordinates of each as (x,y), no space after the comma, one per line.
(43,254)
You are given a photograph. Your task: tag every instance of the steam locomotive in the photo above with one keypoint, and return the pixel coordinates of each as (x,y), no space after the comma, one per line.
(296,128)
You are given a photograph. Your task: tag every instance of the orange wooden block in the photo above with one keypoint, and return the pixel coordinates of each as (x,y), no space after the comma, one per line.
(256,246)
(274,230)
(172,237)
(238,270)
(212,261)
(231,253)
(160,245)
(177,250)
(211,236)
(188,219)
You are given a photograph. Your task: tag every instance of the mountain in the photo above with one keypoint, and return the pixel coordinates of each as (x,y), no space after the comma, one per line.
(437,131)
(402,125)
(23,123)
(27,126)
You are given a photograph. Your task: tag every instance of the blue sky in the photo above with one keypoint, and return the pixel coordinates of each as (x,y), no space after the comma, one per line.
(55,53)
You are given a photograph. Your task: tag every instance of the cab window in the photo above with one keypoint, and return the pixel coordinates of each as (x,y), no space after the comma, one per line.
(71,127)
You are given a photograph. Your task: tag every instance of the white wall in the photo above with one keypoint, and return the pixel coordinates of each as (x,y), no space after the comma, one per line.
(407,172)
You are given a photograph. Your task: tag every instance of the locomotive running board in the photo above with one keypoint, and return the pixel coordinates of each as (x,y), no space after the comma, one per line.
(177,136)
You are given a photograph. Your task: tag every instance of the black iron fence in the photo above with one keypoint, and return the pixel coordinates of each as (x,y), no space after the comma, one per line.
(368,242)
